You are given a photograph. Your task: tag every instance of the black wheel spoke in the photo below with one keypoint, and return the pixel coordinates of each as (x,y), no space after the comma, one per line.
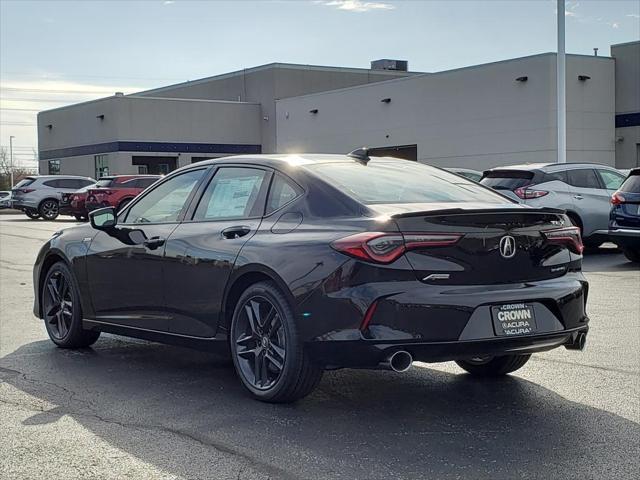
(259,342)
(53,290)
(58,304)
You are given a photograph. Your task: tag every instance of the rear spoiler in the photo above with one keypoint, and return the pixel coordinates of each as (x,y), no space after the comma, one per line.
(471,211)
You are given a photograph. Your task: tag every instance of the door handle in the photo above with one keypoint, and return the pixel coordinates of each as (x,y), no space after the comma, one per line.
(235,232)
(578,197)
(153,242)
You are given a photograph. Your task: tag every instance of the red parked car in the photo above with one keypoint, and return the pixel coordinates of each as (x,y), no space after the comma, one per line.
(120,191)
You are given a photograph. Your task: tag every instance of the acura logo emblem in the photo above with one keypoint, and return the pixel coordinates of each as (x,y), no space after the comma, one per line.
(507,246)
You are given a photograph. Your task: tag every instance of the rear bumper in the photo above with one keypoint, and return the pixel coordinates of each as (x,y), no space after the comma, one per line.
(363,354)
(625,237)
(24,204)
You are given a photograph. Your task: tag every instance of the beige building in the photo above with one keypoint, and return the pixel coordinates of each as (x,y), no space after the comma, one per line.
(476,117)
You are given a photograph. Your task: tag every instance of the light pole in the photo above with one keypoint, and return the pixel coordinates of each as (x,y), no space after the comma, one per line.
(561,88)
(11,158)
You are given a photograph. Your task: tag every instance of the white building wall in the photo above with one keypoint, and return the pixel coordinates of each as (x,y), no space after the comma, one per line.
(475,117)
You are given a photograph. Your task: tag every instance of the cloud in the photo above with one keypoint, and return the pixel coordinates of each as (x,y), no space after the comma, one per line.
(357,5)
(168,2)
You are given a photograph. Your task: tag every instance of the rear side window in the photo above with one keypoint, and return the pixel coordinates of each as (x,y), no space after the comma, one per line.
(72,183)
(52,183)
(233,193)
(282,192)
(24,182)
(507,179)
(145,182)
(583,178)
(611,180)
(105,182)
(631,184)
(401,181)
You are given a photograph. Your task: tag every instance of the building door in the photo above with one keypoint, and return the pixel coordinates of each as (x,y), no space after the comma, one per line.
(407,152)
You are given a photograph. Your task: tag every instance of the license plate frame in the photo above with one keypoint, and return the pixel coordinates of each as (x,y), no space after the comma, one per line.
(514,319)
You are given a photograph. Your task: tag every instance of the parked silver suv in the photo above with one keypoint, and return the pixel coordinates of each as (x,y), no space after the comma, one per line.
(39,195)
(582,189)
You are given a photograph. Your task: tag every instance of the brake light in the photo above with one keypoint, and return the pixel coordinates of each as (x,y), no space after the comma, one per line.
(569,236)
(527,193)
(617,199)
(385,248)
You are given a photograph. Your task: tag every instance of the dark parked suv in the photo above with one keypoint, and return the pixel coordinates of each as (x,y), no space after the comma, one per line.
(300,263)
(624,220)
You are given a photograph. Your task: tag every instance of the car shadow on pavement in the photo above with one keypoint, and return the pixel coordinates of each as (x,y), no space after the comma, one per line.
(175,408)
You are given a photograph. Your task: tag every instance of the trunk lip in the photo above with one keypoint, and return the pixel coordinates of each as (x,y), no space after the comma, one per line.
(462,211)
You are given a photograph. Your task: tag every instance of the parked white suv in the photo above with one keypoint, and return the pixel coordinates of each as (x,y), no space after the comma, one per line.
(39,195)
(582,189)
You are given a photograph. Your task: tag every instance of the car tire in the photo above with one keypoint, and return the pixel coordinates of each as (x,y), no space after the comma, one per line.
(267,352)
(632,254)
(493,366)
(62,311)
(32,214)
(81,218)
(48,209)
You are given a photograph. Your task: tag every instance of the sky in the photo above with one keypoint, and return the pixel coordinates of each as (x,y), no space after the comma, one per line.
(54,53)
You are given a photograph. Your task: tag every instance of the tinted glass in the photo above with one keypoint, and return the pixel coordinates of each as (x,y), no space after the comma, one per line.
(70,183)
(611,180)
(401,181)
(561,176)
(104,182)
(472,176)
(232,193)
(282,192)
(631,184)
(507,179)
(583,178)
(52,183)
(24,182)
(165,203)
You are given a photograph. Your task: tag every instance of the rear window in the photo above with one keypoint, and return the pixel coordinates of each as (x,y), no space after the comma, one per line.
(631,184)
(24,182)
(105,182)
(401,182)
(507,179)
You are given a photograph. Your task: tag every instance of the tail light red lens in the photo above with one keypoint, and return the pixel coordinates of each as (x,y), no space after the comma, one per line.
(568,236)
(617,199)
(379,247)
(527,193)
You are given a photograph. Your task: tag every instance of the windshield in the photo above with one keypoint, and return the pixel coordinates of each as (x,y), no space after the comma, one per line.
(401,181)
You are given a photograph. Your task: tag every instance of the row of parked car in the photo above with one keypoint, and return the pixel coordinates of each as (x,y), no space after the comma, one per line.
(602,201)
(47,196)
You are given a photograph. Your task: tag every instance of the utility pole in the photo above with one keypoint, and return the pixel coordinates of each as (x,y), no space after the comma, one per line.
(11,157)
(561,88)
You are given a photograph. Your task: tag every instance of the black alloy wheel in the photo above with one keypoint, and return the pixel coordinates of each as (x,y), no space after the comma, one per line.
(62,311)
(267,354)
(49,209)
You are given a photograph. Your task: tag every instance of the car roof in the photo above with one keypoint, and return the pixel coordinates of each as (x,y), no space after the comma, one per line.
(47,177)
(550,166)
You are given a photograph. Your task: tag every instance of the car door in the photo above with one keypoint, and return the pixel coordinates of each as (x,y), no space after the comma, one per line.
(124,274)
(590,199)
(201,252)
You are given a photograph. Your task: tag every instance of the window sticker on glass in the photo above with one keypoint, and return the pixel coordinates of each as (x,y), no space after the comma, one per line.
(231,194)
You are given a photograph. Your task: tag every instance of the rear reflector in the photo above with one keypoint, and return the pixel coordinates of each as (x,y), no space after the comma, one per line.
(385,248)
(368,315)
(568,236)
(527,193)
(617,199)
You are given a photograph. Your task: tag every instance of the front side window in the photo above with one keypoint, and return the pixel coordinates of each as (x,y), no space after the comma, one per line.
(54,167)
(232,193)
(583,178)
(102,165)
(383,181)
(165,203)
(611,180)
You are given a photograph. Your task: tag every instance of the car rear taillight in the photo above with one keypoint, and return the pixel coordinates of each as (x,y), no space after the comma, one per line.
(27,190)
(385,248)
(527,193)
(617,199)
(568,236)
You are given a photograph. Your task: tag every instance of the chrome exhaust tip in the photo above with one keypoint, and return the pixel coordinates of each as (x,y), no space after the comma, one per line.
(400,361)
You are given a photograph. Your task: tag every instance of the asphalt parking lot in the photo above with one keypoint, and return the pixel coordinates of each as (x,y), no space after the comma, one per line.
(133,409)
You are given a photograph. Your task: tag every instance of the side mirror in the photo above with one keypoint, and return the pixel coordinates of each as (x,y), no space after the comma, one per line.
(103,218)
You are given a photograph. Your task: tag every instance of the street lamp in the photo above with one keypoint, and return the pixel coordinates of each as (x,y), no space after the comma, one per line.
(11,158)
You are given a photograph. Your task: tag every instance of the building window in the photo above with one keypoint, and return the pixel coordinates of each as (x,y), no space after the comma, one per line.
(142,169)
(102,165)
(54,167)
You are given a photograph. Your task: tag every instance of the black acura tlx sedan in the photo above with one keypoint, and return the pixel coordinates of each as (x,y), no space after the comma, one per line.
(300,263)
